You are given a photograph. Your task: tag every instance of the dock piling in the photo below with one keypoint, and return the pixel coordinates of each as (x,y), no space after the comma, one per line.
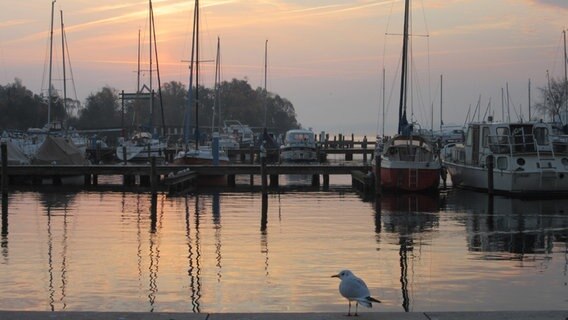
(378,185)
(4,150)
(490,165)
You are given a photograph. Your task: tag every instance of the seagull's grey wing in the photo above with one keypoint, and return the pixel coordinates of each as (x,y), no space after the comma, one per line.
(353,287)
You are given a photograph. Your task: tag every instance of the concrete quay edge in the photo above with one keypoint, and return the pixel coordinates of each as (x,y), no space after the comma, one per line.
(482,315)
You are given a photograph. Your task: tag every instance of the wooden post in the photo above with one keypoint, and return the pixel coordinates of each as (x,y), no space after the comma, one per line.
(231,180)
(251,160)
(490,165)
(4,150)
(264,213)
(378,184)
(364,147)
(326,181)
(124,154)
(264,178)
(153,176)
(315,180)
(98,155)
(274,180)
(87,179)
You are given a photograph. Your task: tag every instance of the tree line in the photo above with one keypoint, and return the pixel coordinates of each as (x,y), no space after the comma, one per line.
(233,100)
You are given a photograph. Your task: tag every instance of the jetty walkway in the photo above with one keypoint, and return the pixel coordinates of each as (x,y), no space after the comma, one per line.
(491,315)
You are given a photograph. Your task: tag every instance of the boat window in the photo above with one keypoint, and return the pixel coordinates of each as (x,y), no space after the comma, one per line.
(503,134)
(485,137)
(469,140)
(502,163)
(541,135)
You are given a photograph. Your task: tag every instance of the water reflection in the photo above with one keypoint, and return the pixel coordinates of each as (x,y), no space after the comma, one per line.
(216,206)
(154,249)
(57,206)
(509,228)
(263,232)
(407,215)
(194,254)
(4,234)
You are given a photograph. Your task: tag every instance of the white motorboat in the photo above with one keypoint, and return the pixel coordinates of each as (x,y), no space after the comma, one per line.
(528,158)
(299,146)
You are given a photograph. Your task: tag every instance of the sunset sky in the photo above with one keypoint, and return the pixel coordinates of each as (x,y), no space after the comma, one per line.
(326,57)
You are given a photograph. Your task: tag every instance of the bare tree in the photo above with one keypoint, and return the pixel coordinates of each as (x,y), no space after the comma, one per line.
(554,99)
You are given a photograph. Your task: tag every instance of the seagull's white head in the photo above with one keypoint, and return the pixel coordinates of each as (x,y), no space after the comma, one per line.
(343,274)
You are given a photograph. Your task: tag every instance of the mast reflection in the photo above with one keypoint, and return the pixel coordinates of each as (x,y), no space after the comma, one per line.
(406,214)
(194,254)
(154,249)
(55,203)
(216,206)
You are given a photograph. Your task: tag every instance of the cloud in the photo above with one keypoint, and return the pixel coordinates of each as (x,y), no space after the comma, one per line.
(563,4)
(12,23)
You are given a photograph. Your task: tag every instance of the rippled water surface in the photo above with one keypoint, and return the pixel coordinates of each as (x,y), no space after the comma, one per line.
(217,252)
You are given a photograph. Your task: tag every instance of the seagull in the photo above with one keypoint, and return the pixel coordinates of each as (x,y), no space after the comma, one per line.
(353,288)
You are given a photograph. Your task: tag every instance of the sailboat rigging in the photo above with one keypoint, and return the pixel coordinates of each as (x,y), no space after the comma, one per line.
(144,144)
(409,161)
(203,154)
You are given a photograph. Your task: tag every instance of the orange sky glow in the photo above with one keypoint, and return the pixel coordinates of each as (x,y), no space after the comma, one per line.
(324,56)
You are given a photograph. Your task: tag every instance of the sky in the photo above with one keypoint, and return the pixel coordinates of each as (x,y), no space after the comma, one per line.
(326,57)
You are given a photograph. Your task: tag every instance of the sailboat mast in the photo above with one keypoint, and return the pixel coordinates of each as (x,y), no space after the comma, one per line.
(63,55)
(196,74)
(384,79)
(441,101)
(187,117)
(403,76)
(150,20)
(265,72)
(50,63)
(217,104)
(138,70)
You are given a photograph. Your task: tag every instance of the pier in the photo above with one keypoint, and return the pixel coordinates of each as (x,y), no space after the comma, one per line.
(160,176)
(478,315)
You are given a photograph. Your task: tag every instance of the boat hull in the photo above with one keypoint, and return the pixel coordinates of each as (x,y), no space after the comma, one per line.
(506,181)
(298,155)
(410,179)
(199,157)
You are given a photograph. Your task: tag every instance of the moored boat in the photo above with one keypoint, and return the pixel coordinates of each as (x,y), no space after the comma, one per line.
(529,159)
(141,147)
(299,146)
(409,163)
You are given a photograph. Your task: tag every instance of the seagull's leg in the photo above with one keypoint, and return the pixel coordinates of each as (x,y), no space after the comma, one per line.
(356,307)
(349,312)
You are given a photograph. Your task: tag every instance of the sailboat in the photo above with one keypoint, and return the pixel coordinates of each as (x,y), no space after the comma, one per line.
(409,161)
(198,154)
(143,144)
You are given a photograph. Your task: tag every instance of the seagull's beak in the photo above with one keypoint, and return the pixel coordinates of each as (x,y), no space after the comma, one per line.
(335,276)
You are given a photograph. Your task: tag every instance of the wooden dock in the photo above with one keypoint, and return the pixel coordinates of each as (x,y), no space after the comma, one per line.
(171,176)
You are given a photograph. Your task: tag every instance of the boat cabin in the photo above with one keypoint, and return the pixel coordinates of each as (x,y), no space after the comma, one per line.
(409,148)
(508,140)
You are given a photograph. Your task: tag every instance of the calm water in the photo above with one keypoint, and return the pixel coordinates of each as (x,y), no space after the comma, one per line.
(216,252)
